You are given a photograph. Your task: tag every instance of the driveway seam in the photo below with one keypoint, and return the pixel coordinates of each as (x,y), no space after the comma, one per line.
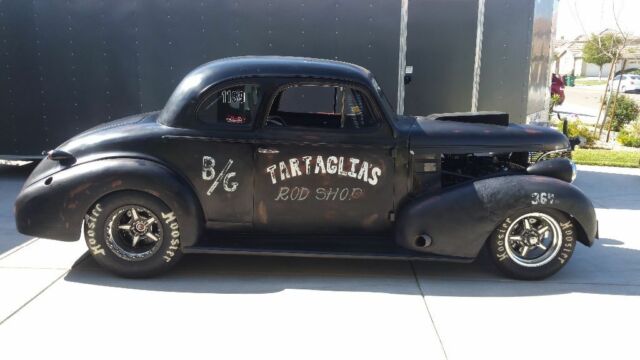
(34,297)
(18,248)
(424,301)
(32,267)
(82,258)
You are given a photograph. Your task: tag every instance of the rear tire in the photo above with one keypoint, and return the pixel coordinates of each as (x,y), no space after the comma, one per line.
(133,234)
(532,244)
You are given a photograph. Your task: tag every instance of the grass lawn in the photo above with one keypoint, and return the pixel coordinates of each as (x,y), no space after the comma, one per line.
(590,82)
(607,157)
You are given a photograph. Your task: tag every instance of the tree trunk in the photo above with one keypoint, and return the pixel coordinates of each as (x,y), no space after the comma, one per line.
(600,73)
(615,101)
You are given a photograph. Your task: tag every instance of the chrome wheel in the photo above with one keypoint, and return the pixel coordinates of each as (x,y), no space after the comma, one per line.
(533,239)
(133,232)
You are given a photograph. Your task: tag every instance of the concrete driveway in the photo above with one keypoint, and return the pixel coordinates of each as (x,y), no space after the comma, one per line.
(55,302)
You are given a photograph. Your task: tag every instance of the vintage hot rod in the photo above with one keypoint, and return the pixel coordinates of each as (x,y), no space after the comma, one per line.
(306,157)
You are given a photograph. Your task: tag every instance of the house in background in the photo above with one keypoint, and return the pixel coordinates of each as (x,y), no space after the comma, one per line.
(568,57)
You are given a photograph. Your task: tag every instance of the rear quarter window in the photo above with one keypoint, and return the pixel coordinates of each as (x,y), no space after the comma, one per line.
(234,106)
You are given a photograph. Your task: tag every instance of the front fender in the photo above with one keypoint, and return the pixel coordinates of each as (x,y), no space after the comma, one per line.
(460,219)
(54,207)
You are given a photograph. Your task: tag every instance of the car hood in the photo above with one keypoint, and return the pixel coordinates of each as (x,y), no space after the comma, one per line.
(437,136)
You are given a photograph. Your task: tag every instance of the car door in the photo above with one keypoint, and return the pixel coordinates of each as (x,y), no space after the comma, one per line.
(219,158)
(324,162)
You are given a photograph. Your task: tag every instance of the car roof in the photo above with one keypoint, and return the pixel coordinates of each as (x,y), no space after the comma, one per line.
(218,71)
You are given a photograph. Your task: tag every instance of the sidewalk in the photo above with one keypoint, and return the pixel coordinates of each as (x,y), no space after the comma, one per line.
(56,302)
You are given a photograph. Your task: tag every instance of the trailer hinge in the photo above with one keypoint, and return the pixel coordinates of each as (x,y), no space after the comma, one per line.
(392,216)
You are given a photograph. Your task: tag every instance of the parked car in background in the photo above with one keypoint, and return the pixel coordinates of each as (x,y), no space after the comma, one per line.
(557,87)
(628,83)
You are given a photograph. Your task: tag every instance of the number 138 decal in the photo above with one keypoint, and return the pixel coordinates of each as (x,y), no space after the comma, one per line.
(542,198)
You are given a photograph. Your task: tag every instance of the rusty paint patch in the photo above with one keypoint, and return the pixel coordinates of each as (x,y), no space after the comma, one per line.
(153,192)
(370,220)
(78,189)
(262,213)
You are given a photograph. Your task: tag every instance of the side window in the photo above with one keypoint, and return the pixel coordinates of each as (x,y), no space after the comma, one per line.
(317,106)
(232,106)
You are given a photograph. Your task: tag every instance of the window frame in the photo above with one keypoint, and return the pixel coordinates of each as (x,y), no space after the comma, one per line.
(211,91)
(381,125)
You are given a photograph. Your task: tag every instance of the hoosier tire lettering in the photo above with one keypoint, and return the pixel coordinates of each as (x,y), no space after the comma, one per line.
(171,221)
(567,247)
(91,219)
(502,230)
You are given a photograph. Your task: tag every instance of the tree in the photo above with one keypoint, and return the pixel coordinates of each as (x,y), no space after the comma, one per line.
(602,49)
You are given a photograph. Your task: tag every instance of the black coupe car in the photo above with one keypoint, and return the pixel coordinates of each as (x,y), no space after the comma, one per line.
(305,157)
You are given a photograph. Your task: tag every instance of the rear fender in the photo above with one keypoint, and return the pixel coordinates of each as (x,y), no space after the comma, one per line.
(54,207)
(459,220)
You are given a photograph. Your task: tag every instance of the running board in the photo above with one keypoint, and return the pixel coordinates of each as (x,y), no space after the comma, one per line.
(391,253)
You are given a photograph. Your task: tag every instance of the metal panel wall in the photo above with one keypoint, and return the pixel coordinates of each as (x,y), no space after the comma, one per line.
(541,49)
(506,51)
(67,66)
(440,47)
(514,71)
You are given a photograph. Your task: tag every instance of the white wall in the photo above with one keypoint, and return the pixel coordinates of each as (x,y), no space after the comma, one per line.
(592,69)
(565,64)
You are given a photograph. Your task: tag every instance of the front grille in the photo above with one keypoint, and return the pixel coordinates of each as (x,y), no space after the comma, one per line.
(535,155)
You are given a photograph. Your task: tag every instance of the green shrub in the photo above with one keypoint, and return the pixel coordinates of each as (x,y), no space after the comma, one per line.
(630,135)
(576,128)
(627,111)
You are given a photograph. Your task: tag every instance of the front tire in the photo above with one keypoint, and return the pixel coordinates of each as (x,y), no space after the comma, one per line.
(532,244)
(133,234)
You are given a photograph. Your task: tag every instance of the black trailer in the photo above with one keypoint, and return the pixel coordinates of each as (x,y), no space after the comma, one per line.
(67,66)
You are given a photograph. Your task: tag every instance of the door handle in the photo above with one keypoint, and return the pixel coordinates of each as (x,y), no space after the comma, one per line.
(268,151)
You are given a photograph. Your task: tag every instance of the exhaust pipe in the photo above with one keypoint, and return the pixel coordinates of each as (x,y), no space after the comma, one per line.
(423,241)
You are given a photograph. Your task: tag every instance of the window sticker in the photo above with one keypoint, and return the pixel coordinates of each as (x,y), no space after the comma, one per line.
(233,96)
(235,119)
